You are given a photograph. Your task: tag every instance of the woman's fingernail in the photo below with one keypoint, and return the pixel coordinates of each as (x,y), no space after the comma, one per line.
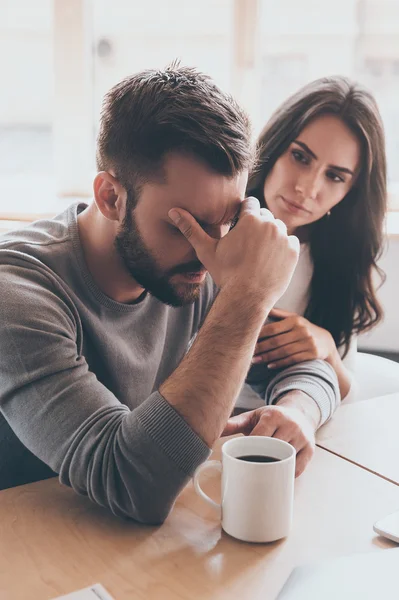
(271,365)
(256,359)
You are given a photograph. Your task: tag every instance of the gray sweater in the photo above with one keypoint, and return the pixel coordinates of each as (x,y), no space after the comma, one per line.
(79,375)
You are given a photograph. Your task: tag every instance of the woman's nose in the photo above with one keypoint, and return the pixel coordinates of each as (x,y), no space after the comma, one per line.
(308,186)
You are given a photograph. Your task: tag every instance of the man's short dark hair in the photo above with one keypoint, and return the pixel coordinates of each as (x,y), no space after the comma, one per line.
(155,112)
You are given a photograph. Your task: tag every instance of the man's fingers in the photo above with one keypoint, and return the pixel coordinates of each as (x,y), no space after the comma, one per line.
(250,206)
(239,424)
(302,459)
(281,225)
(304,450)
(268,215)
(198,238)
(281,424)
(187,225)
(267,426)
(294,243)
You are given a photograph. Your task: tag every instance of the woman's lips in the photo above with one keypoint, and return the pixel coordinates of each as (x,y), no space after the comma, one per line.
(294,207)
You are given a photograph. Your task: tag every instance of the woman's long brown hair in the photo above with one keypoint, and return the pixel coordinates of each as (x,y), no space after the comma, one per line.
(345,245)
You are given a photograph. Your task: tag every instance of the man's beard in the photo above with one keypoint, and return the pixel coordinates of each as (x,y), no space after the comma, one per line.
(143,267)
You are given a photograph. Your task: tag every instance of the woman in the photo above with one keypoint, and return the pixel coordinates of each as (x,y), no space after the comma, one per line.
(322,171)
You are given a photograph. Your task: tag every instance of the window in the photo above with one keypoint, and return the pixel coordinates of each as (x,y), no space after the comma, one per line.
(63,55)
(26,166)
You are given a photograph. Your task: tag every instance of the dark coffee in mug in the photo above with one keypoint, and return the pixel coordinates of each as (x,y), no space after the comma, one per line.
(258,458)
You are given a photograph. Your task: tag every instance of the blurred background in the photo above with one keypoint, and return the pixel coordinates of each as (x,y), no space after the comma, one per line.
(59,57)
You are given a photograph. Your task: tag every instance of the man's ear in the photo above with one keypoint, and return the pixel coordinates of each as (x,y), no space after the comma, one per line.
(110,196)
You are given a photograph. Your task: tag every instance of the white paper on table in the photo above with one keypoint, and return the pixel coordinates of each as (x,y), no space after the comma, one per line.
(94,592)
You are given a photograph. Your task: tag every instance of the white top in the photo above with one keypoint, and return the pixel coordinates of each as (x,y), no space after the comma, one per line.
(295,298)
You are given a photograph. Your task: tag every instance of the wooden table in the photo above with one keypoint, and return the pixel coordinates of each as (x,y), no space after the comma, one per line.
(53,542)
(366,433)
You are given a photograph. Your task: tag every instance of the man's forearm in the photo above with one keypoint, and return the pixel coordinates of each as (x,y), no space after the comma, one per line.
(304,403)
(316,378)
(204,387)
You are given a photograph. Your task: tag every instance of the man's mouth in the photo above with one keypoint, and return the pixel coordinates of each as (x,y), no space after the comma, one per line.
(194,276)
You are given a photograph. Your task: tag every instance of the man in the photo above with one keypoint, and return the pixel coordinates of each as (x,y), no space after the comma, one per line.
(98,380)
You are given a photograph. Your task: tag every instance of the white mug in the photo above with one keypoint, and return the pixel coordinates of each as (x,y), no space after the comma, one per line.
(257,497)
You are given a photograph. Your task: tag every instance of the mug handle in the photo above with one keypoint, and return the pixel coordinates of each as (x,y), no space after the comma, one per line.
(210,464)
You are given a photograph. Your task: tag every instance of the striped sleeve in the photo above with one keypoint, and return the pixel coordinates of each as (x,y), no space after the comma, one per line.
(316,378)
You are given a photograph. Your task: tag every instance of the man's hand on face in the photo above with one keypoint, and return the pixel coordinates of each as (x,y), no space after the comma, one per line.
(293,419)
(257,255)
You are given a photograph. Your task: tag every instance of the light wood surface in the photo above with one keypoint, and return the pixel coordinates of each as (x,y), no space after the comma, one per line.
(53,542)
(366,433)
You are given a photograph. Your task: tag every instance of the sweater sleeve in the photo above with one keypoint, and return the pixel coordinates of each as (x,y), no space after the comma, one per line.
(135,462)
(314,377)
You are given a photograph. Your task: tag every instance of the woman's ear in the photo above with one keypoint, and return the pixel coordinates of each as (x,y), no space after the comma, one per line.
(109,195)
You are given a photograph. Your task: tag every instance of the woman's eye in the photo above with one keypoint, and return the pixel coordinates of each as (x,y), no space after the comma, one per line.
(300,157)
(334,177)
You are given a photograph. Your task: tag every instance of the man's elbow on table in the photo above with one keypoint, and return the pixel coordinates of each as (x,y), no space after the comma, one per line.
(134,480)
(140,502)
(135,463)
(150,513)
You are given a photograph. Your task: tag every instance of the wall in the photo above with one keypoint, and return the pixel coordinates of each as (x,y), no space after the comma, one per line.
(26,62)
(386,335)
